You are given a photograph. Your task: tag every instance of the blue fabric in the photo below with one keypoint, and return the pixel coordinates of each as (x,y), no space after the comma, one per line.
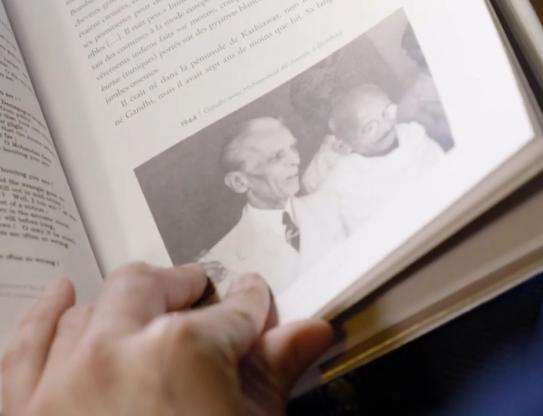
(487,362)
(515,389)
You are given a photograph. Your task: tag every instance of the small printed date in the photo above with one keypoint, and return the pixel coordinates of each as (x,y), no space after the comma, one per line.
(189,120)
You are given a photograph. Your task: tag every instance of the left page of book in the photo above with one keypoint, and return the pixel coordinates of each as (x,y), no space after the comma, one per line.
(192,130)
(41,233)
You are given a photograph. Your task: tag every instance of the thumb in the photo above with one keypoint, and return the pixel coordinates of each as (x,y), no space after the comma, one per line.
(289,350)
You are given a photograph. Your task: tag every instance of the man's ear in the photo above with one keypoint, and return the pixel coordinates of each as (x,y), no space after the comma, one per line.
(391,113)
(337,145)
(237,182)
(342,147)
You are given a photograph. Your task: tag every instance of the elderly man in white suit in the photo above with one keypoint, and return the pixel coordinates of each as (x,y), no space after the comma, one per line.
(278,235)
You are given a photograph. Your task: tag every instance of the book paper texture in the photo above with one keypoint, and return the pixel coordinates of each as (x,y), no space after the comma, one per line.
(306,140)
(41,234)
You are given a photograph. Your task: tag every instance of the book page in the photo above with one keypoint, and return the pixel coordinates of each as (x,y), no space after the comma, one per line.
(41,235)
(303,139)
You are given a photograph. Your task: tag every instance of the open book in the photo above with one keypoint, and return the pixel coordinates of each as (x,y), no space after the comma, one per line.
(326,144)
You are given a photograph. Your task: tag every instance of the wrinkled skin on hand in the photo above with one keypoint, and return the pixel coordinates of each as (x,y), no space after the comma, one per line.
(141,350)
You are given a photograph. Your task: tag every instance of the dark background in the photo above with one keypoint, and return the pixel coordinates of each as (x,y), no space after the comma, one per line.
(184,185)
(488,362)
(538,4)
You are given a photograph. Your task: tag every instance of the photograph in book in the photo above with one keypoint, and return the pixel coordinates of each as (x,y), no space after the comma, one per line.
(275,186)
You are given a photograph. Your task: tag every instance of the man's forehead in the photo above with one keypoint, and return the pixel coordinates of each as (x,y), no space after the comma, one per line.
(369,106)
(257,148)
(271,139)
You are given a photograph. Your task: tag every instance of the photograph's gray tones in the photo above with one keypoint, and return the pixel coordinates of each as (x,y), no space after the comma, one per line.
(274,186)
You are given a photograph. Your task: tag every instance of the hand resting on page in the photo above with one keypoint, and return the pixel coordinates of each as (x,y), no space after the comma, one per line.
(141,350)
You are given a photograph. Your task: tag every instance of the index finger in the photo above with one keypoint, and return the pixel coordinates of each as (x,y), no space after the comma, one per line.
(137,293)
(234,324)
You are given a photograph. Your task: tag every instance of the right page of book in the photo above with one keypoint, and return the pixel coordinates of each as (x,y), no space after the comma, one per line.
(305,140)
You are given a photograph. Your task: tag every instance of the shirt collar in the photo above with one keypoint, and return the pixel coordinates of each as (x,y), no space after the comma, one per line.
(272,219)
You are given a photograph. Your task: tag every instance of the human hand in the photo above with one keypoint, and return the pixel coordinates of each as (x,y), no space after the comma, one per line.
(141,351)
(337,145)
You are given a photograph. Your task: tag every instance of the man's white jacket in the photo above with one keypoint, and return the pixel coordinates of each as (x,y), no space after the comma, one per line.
(254,246)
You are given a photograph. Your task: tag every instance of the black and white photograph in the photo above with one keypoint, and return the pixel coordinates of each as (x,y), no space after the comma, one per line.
(277,185)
